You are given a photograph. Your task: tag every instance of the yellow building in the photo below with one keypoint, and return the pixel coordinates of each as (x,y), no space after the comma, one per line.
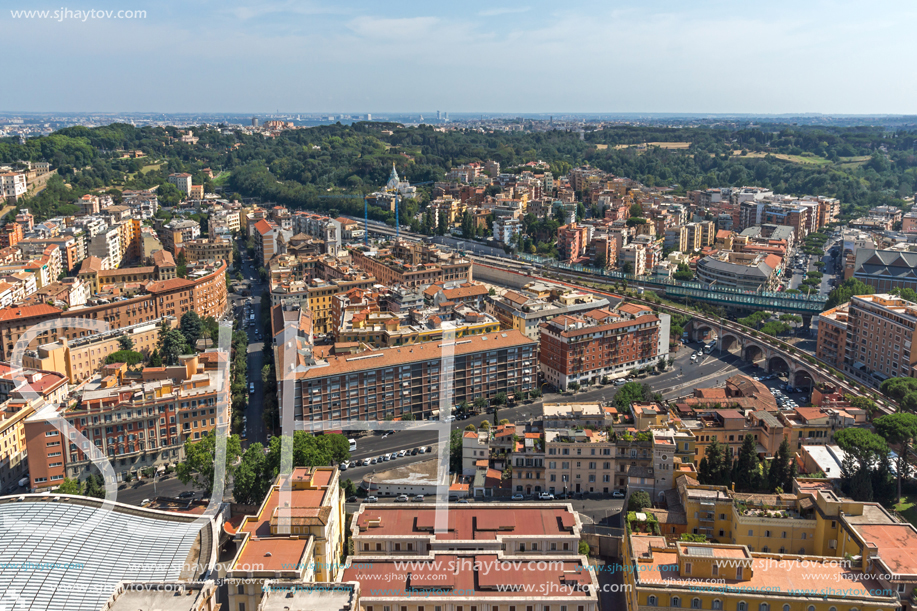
(301,542)
(82,358)
(723,577)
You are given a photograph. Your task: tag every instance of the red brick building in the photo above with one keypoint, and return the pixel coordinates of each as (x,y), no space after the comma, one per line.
(601,343)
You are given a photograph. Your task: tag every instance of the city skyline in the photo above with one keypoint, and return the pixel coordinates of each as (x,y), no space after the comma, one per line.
(656,58)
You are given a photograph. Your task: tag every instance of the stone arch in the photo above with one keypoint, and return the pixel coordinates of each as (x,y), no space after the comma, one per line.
(778,364)
(703,332)
(731,343)
(803,379)
(753,353)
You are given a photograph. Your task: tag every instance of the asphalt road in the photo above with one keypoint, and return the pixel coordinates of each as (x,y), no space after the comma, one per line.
(255,429)
(134,494)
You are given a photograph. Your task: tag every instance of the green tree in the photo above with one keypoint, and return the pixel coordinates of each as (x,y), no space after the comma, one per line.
(639,501)
(471,427)
(636,210)
(172,344)
(485,425)
(847,289)
(499,398)
(70,486)
(455,451)
(125,342)
(124,356)
(348,488)
(252,478)
(898,388)
(191,327)
(863,450)
(583,548)
(198,466)
(631,392)
(899,430)
(747,466)
(95,486)
(715,467)
(782,469)
(181,265)
(155,359)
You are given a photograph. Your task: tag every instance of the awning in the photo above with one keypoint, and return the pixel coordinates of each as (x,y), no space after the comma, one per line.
(435,413)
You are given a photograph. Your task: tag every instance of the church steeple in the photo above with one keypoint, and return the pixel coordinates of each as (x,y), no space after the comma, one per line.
(393,179)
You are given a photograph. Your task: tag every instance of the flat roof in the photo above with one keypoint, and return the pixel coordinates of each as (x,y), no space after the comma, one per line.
(84,544)
(468,523)
(897,544)
(319,596)
(475,575)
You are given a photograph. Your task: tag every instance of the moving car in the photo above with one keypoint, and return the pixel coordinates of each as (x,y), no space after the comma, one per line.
(403,498)
(372,499)
(545,496)
(251,387)
(351,499)
(417,498)
(187,494)
(620,382)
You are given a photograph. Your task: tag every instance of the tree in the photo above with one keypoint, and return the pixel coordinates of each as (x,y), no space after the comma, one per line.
(155,359)
(348,488)
(627,268)
(636,210)
(631,392)
(191,327)
(715,467)
(898,430)
(573,386)
(746,466)
(70,486)
(898,388)
(781,468)
(181,265)
(198,466)
(863,449)
(471,428)
(95,486)
(847,289)
(124,356)
(535,393)
(503,421)
(600,261)
(499,398)
(455,451)
(125,342)
(485,425)
(251,479)
(481,404)
(583,548)
(639,501)
(172,344)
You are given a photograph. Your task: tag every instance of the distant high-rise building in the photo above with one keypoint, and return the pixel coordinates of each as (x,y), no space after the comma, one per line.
(369,116)
(438,115)
(254,121)
(446,116)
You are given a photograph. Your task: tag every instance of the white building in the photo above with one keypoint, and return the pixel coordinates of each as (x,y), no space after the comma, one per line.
(182,181)
(506,228)
(12,185)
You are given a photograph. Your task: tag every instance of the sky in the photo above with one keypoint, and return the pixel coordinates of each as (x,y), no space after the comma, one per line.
(356,56)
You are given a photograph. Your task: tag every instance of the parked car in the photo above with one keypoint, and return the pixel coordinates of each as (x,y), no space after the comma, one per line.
(372,499)
(414,452)
(464,501)
(618,494)
(429,448)
(352,499)
(367,462)
(418,498)
(518,497)
(187,494)
(251,387)
(385,458)
(545,496)
(403,453)
(402,498)
(423,450)
(393,455)
(620,382)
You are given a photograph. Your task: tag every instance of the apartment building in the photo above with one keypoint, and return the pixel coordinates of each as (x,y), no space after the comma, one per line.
(739,270)
(175,233)
(525,313)
(295,537)
(395,382)
(10,235)
(106,246)
(880,332)
(506,229)
(600,343)
(205,294)
(527,460)
(182,181)
(831,346)
(138,420)
(204,249)
(412,265)
(389,329)
(592,460)
(571,242)
(84,357)
(632,259)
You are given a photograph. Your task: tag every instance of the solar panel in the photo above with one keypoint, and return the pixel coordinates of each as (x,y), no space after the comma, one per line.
(699,551)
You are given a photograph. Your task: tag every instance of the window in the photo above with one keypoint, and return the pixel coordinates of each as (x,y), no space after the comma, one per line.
(767,533)
(241,589)
(651,601)
(676,602)
(742,606)
(695,603)
(687,568)
(739,573)
(717,604)
(766,607)
(787,608)
(241,606)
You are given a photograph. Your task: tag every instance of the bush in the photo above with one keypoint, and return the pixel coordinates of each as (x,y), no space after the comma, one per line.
(583,548)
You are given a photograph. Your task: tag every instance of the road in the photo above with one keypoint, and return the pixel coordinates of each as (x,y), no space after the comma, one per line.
(255,429)
(134,494)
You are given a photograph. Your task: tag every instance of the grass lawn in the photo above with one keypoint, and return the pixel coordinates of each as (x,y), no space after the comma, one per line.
(908,509)
(149,168)
(221,178)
